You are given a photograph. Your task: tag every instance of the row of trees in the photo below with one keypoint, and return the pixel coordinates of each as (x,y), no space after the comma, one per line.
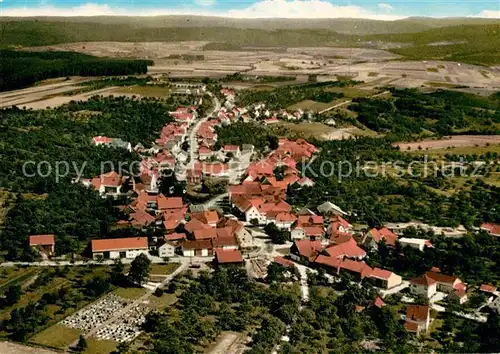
(21,68)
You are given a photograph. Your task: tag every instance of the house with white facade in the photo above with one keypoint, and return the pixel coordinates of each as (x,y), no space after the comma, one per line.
(113,248)
(166,250)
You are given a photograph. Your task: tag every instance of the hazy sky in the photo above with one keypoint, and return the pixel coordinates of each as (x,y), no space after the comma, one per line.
(374,9)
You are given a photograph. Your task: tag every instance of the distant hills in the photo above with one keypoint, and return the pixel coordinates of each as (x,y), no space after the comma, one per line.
(472,40)
(341,25)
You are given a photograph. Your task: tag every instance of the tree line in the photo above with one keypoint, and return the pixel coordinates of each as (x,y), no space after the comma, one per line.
(20,69)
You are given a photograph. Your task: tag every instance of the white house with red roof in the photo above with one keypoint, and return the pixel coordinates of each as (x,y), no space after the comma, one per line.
(282,220)
(308,226)
(424,286)
(374,236)
(112,248)
(204,153)
(45,244)
(233,149)
(348,249)
(167,250)
(101,140)
(385,278)
(304,182)
(305,251)
(417,319)
(107,184)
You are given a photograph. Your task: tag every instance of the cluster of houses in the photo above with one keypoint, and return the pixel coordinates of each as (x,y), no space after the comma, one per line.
(326,241)
(257,111)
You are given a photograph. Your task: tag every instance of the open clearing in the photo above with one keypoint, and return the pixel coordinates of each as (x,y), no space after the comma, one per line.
(100,346)
(143,91)
(16,348)
(464,150)
(57,336)
(228,342)
(453,141)
(310,105)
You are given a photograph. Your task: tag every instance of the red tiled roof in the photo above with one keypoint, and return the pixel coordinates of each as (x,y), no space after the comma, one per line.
(207,216)
(222,241)
(487,288)
(204,151)
(115,244)
(205,233)
(332,262)
(102,139)
(197,245)
(173,220)
(169,203)
(379,302)
(195,224)
(313,230)
(418,313)
(342,237)
(492,228)
(381,273)
(228,256)
(224,231)
(110,179)
(141,218)
(285,217)
(175,237)
(357,267)
(423,280)
(42,240)
(283,261)
(310,220)
(308,248)
(341,221)
(384,234)
(231,148)
(441,278)
(347,249)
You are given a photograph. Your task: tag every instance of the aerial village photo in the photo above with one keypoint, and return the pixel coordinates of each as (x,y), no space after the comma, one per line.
(261,177)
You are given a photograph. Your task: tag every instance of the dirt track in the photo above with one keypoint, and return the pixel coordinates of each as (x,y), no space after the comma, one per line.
(454,141)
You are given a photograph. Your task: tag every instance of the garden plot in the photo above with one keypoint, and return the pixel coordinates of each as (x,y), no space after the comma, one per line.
(126,328)
(96,314)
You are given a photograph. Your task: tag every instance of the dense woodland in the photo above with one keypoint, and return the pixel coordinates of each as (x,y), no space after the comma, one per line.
(65,133)
(20,69)
(283,97)
(412,112)
(227,300)
(374,198)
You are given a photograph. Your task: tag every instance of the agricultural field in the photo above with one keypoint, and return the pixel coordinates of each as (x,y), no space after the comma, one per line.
(456,141)
(144,91)
(459,150)
(57,336)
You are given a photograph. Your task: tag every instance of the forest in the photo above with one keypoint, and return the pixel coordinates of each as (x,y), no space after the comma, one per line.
(473,258)
(338,318)
(411,112)
(283,97)
(19,69)
(375,198)
(47,205)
